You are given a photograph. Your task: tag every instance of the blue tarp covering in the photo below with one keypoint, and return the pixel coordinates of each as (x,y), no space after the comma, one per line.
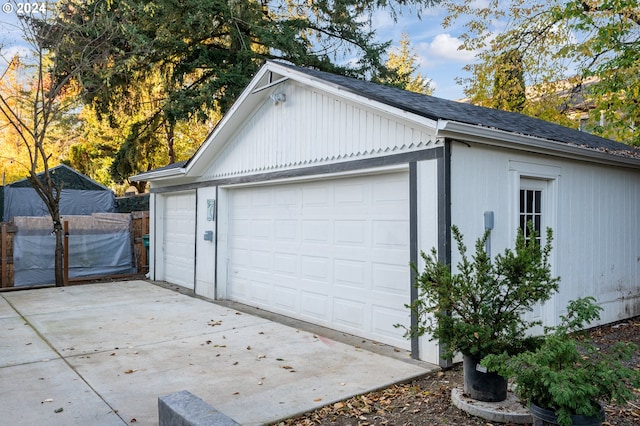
(99,244)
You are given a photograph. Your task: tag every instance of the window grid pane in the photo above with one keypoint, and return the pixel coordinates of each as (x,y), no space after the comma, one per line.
(531,211)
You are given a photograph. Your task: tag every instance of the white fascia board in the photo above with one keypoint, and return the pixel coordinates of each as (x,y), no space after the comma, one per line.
(153,175)
(501,138)
(337,91)
(244,106)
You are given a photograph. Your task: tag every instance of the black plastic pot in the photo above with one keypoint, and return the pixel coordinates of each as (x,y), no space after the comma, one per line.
(543,417)
(480,384)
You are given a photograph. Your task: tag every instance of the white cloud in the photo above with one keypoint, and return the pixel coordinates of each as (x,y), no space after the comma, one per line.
(444,46)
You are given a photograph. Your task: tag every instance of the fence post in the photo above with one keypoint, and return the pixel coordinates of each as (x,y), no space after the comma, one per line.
(7,231)
(66,253)
(4,278)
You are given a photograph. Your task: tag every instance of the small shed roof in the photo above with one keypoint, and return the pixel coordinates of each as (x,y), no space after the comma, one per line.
(67,177)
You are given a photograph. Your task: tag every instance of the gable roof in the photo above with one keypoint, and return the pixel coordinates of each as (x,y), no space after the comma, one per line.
(68,177)
(443,109)
(452,119)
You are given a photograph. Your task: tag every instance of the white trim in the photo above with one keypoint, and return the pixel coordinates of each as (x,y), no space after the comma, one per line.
(505,139)
(336,90)
(160,174)
(325,176)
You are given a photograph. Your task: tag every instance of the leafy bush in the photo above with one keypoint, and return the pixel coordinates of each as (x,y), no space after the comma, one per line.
(480,309)
(567,373)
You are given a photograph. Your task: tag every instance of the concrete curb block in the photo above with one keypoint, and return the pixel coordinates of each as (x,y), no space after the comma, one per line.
(507,411)
(185,409)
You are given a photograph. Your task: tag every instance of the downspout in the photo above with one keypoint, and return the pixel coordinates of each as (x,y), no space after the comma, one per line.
(444,221)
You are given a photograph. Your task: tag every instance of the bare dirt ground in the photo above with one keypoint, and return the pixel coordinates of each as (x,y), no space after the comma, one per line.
(427,401)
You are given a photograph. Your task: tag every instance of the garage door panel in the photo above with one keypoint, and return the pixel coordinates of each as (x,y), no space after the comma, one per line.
(325,253)
(315,195)
(383,319)
(351,232)
(286,230)
(349,313)
(390,234)
(286,264)
(316,268)
(316,231)
(179,239)
(314,305)
(351,273)
(285,298)
(352,196)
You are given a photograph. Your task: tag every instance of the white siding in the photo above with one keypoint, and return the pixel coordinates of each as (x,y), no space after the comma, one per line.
(427,176)
(206,250)
(313,128)
(596,231)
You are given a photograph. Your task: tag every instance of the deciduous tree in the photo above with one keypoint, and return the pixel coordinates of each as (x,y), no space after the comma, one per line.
(563,45)
(41,98)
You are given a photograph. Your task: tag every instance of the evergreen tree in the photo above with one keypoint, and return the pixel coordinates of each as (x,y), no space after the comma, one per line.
(207,51)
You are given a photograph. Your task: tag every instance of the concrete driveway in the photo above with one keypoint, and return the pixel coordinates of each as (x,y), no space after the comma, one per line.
(102,354)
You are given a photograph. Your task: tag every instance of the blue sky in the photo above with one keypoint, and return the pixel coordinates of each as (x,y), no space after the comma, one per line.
(436,47)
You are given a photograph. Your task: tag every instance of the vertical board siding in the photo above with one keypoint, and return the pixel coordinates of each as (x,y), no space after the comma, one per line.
(311,128)
(596,247)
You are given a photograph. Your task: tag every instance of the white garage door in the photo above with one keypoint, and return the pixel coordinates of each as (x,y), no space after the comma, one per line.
(332,252)
(179,238)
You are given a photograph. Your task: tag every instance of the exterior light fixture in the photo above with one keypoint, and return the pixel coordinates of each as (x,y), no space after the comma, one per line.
(278,98)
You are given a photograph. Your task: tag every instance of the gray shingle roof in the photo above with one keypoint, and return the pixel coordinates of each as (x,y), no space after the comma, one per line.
(443,109)
(65,176)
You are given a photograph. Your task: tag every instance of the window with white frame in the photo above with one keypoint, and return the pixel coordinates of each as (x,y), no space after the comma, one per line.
(531,206)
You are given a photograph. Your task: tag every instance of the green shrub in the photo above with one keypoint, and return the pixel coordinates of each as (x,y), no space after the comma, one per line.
(479,310)
(567,373)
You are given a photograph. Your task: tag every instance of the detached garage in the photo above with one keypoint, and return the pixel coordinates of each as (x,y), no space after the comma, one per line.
(315,192)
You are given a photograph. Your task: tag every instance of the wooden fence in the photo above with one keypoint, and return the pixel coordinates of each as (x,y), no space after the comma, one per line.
(6,263)
(139,228)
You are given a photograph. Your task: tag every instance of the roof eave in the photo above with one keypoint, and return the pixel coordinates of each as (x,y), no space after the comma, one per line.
(501,138)
(156,175)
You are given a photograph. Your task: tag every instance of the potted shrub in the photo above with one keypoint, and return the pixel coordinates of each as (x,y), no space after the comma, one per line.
(566,379)
(479,309)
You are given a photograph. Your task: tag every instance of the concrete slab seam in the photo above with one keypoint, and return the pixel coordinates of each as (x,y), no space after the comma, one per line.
(63,358)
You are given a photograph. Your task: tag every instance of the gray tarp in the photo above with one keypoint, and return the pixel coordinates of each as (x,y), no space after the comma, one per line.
(26,202)
(99,244)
